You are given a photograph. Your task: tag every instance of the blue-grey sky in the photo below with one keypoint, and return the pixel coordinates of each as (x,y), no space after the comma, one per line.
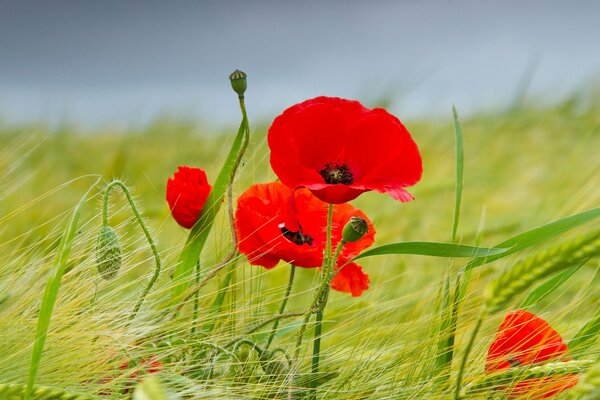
(125,62)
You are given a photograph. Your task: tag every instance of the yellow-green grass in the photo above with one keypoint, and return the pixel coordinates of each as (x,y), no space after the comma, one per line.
(522,169)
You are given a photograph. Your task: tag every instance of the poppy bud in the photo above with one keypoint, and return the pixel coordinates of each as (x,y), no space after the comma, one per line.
(108,253)
(238,82)
(355,229)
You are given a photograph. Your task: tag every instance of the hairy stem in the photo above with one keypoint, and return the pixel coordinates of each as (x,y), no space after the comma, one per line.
(138,217)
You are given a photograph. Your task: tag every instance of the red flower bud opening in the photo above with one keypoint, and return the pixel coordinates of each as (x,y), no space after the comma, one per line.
(187,192)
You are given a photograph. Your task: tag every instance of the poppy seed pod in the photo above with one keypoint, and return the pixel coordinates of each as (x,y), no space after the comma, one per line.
(108,253)
(355,229)
(238,82)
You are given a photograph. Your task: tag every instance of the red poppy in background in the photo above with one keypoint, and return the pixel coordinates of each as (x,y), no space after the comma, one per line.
(274,222)
(524,339)
(339,149)
(187,192)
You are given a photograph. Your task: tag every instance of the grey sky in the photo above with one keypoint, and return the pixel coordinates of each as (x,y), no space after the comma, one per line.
(99,62)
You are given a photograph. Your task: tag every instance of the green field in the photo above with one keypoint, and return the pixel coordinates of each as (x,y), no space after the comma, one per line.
(523,168)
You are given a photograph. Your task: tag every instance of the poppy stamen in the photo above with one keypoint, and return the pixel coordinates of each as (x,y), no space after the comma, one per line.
(335,173)
(297,238)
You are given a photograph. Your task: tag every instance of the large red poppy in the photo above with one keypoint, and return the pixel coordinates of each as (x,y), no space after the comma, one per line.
(274,222)
(524,339)
(339,149)
(187,192)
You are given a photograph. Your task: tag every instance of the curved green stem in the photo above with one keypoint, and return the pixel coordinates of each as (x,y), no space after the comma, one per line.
(283,304)
(138,217)
(238,161)
(463,363)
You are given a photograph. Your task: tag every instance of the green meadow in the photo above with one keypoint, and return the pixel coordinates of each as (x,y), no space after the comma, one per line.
(523,168)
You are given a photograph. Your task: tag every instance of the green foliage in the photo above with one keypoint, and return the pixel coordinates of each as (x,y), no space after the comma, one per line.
(391,343)
(50,294)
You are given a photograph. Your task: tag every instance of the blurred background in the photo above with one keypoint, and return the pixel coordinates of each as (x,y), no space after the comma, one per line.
(121,64)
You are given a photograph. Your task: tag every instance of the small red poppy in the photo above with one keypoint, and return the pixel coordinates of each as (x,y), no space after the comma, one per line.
(339,149)
(187,192)
(274,222)
(524,339)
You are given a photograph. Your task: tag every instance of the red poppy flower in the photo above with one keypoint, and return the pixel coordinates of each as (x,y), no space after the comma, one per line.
(339,149)
(274,222)
(187,192)
(524,339)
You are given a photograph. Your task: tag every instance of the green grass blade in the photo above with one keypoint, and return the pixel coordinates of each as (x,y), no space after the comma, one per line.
(433,249)
(586,336)
(50,294)
(199,233)
(538,235)
(549,286)
(460,161)
(443,357)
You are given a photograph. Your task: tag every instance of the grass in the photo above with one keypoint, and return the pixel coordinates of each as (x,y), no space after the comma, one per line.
(522,169)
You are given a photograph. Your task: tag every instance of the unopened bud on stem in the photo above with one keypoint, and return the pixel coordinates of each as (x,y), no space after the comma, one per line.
(108,253)
(355,229)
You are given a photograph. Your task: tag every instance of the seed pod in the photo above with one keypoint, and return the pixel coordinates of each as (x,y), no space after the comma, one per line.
(238,82)
(355,229)
(108,253)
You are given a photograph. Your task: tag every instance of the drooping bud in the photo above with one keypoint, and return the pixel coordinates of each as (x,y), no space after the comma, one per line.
(108,253)
(238,82)
(355,229)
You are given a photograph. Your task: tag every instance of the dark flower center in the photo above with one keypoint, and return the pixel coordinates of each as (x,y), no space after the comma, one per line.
(298,238)
(337,172)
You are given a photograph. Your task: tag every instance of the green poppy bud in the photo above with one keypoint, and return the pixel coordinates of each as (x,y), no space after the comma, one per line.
(238,82)
(355,229)
(108,253)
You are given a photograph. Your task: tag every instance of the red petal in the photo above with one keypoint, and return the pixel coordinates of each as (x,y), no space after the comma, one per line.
(527,338)
(351,279)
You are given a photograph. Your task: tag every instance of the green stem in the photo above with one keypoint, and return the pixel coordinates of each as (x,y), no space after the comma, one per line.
(238,160)
(326,272)
(288,290)
(463,363)
(196,299)
(218,302)
(138,217)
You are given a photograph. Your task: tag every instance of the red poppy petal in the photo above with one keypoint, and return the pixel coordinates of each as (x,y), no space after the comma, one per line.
(527,338)
(351,279)
(337,194)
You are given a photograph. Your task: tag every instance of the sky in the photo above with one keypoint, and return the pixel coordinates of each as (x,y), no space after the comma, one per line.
(105,63)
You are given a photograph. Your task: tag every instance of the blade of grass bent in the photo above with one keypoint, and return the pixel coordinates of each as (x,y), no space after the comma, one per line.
(434,249)
(199,233)
(538,235)
(51,293)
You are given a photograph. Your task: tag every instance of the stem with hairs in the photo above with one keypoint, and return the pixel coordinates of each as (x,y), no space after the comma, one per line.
(140,220)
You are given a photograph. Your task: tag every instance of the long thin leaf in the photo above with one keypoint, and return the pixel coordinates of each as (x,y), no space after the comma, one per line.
(586,336)
(199,233)
(50,294)
(538,235)
(549,286)
(460,161)
(434,249)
